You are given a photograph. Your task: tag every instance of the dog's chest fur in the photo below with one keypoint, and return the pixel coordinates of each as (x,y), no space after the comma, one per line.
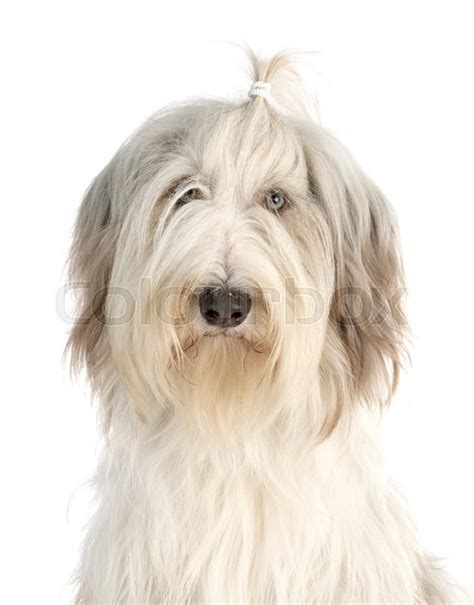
(250,523)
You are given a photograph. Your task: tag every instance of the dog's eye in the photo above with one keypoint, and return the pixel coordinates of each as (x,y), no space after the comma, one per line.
(275,200)
(188,196)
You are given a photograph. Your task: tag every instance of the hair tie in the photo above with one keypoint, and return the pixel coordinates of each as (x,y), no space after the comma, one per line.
(264,89)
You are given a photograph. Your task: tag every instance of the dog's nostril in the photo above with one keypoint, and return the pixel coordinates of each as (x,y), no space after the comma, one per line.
(211,314)
(224,308)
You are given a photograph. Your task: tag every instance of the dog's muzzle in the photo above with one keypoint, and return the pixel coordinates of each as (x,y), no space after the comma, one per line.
(223,307)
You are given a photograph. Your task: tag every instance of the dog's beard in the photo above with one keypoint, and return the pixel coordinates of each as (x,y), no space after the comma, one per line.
(222,381)
(225,377)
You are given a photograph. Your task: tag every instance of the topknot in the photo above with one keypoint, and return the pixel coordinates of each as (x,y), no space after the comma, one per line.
(286,86)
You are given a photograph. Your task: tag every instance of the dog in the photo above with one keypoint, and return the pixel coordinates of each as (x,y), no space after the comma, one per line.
(240,320)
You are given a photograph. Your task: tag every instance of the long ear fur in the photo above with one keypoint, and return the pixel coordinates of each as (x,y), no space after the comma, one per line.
(90,264)
(98,226)
(366,335)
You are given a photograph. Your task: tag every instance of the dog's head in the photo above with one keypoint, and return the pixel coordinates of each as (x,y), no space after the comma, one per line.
(235,263)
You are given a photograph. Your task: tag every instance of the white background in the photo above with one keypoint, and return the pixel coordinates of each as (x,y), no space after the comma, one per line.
(394,81)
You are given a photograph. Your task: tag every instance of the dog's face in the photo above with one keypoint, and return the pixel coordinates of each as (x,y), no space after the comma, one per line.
(238,265)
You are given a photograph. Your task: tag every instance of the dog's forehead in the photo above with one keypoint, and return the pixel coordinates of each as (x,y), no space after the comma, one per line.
(250,152)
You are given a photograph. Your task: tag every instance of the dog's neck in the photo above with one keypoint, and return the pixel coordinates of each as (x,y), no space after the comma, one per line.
(284,497)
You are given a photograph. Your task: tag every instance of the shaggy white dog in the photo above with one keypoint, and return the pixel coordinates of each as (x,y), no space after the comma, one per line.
(240,323)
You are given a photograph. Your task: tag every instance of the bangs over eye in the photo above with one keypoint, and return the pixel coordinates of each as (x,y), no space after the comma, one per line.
(191,194)
(185,191)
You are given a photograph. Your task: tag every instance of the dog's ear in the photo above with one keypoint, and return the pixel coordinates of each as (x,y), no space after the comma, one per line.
(90,265)
(367,325)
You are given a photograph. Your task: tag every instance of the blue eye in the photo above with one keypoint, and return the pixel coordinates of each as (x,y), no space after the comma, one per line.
(275,200)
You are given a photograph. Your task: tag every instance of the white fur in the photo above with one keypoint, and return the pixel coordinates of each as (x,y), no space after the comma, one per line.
(243,467)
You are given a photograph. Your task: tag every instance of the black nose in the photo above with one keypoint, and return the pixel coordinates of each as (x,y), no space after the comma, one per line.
(224,308)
